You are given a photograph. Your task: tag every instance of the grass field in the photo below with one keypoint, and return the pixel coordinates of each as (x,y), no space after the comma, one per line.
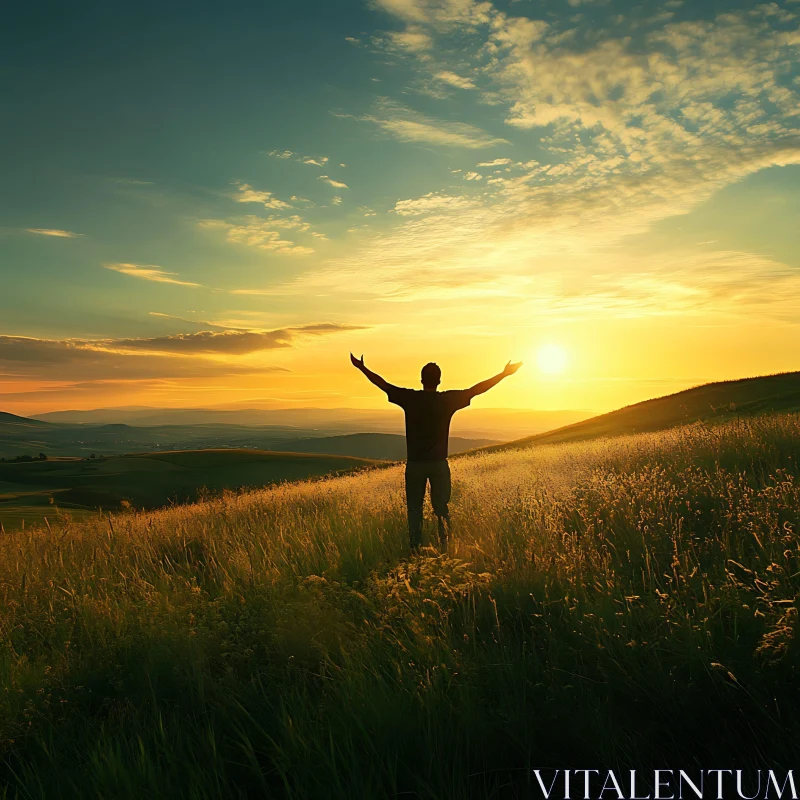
(619,603)
(60,489)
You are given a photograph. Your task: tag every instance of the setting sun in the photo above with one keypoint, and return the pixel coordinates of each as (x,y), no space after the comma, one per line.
(552,359)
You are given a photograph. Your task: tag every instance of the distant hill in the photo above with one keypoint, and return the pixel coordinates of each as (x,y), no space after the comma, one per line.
(388,446)
(13,422)
(301,418)
(711,402)
(472,423)
(21,436)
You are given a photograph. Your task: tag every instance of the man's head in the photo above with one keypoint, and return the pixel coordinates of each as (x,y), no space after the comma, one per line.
(431,376)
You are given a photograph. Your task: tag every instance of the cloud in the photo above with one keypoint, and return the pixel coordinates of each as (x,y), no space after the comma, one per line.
(411,40)
(132,182)
(148,272)
(425,260)
(284,155)
(429,203)
(262,234)
(320,328)
(444,14)
(407,125)
(294,222)
(455,80)
(200,354)
(473,176)
(197,323)
(54,232)
(225,342)
(727,284)
(332,182)
(673,108)
(249,195)
(630,122)
(86,360)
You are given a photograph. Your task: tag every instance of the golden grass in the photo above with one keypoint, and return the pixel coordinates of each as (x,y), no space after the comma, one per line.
(605,601)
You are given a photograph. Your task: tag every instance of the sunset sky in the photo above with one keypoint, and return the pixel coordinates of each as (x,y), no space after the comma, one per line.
(213,203)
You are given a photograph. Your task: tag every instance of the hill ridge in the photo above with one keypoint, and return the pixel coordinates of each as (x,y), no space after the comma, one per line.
(8,418)
(777,392)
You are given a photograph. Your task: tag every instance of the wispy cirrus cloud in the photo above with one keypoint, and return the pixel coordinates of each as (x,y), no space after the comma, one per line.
(55,232)
(264,234)
(412,40)
(149,272)
(331,182)
(452,79)
(247,194)
(497,162)
(433,202)
(284,155)
(407,125)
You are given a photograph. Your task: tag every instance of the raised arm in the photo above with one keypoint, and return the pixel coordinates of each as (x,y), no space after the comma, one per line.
(484,386)
(373,377)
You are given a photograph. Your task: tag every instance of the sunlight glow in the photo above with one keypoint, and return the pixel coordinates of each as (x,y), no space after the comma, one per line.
(552,359)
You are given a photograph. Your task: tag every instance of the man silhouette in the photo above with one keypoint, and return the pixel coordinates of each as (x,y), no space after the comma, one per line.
(428,413)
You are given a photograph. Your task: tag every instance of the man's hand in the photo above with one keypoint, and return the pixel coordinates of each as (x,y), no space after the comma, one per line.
(372,377)
(484,386)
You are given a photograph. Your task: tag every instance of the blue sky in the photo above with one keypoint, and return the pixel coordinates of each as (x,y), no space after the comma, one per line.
(205,203)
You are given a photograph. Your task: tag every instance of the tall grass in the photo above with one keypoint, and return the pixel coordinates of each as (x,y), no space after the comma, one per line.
(623,603)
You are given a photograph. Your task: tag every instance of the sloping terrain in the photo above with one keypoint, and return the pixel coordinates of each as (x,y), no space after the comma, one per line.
(711,402)
(31,490)
(12,422)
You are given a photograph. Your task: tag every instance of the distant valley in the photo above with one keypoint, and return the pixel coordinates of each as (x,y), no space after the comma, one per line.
(20,436)
(500,424)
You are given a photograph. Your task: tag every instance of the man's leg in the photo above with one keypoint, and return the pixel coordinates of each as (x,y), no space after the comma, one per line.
(440,497)
(416,480)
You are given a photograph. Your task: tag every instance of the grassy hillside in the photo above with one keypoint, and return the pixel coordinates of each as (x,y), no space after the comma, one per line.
(623,603)
(30,491)
(712,402)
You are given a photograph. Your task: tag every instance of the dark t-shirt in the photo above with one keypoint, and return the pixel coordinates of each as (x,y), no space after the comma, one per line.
(428,417)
